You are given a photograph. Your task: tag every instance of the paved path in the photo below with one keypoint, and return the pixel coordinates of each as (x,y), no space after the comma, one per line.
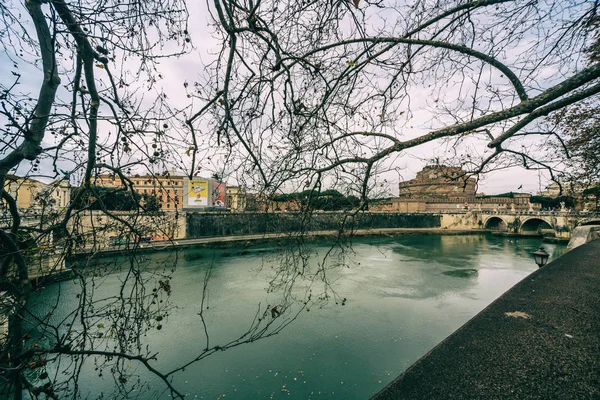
(540,340)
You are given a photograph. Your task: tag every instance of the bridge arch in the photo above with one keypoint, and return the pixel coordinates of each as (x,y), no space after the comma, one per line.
(495,224)
(591,222)
(535,226)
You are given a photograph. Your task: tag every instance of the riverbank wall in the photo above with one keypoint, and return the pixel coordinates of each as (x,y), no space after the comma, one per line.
(539,340)
(553,225)
(176,229)
(101,229)
(200,225)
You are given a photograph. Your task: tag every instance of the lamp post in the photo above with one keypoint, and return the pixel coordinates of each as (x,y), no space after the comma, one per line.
(541,257)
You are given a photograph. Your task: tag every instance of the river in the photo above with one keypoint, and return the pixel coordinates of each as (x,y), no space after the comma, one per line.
(391,300)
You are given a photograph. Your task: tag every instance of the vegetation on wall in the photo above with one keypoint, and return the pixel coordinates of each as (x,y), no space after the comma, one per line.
(552,203)
(104,198)
(328,200)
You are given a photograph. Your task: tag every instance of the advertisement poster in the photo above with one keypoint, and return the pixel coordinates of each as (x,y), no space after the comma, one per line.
(197,193)
(218,194)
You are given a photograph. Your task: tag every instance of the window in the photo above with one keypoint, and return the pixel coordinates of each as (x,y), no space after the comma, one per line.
(168,205)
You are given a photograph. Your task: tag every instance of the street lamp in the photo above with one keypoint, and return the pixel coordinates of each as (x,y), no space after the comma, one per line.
(541,257)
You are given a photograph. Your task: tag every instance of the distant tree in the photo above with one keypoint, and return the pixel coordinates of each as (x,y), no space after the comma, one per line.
(551,203)
(509,195)
(150,202)
(105,198)
(577,128)
(335,201)
(330,193)
(594,192)
(327,200)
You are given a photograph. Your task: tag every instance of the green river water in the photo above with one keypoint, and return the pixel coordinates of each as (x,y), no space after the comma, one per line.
(403,295)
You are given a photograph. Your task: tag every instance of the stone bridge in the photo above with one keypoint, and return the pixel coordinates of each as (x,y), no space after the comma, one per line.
(556,223)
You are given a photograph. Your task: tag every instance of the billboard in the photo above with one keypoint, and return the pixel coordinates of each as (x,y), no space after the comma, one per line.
(197,193)
(218,194)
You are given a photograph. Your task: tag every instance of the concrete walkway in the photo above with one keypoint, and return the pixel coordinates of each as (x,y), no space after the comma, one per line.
(540,340)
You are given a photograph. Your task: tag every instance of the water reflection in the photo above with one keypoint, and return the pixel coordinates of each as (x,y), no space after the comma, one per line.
(404,295)
(462,273)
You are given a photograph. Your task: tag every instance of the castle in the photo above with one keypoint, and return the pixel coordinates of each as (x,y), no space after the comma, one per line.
(439,181)
(439,188)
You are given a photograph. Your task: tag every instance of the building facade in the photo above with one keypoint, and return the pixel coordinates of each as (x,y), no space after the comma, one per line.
(439,188)
(175,192)
(167,188)
(519,202)
(24,190)
(59,192)
(438,181)
(30,193)
(236,198)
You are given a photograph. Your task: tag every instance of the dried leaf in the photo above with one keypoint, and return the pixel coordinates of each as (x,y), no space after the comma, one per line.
(517,314)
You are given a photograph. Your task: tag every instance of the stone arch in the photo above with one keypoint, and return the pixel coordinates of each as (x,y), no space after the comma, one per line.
(535,226)
(590,222)
(495,224)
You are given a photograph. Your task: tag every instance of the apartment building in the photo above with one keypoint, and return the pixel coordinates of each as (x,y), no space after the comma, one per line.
(30,193)
(167,188)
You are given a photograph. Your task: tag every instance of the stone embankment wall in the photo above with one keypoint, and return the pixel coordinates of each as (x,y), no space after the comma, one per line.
(583,234)
(95,227)
(228,224)
(467,220)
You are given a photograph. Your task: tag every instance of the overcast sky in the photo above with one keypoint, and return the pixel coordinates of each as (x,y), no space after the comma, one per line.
(190,67)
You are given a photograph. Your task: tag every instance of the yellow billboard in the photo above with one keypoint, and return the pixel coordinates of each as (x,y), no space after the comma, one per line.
(197,193)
